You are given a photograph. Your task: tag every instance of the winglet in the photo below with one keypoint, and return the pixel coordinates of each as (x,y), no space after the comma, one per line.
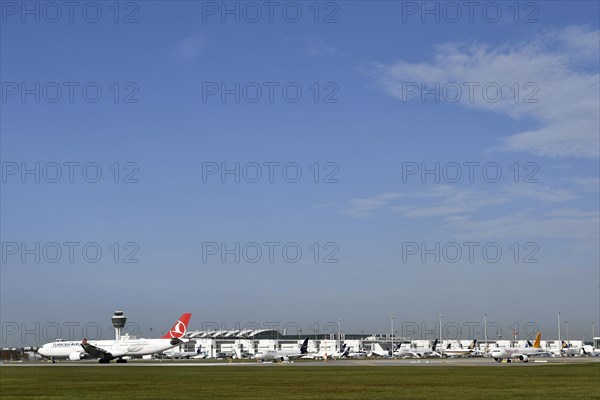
(538,338)
(179,328)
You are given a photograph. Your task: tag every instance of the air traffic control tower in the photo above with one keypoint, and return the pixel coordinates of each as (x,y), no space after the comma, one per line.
(118,322)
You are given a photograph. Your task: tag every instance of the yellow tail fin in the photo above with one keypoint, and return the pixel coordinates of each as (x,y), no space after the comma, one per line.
(538,338)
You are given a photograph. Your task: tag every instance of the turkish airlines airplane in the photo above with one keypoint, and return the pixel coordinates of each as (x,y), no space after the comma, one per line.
(107,350)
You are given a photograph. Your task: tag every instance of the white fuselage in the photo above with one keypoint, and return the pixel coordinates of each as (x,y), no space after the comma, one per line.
(272,355)
(516,352)
(120,348)
(415,353)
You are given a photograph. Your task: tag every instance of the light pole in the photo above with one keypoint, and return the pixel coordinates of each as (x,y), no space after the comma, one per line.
(485,331)
(392,320)
(559,343)
(568,338)
(441,338)
(593,332)
(339,334)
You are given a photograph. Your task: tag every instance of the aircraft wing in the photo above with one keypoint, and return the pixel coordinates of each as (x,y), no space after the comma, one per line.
(97,352)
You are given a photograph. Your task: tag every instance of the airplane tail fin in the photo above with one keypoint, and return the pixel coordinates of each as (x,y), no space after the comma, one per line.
(585,353)
(346,352)
(237,352)
(564,345)
(538,338)
(304,347)
(473,344)
(179,328)
(434,345)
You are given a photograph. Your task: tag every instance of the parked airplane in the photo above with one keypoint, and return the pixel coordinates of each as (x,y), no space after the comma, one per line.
(282,355)
(450,352)
(107,350)
(520,353)
(417,352)
(327,353)
(172,353)
(568,350)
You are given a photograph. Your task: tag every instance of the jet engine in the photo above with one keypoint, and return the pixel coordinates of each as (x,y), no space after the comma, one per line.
(524,358)
(76,355)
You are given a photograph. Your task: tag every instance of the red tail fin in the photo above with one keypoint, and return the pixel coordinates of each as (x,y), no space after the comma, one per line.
(179,328)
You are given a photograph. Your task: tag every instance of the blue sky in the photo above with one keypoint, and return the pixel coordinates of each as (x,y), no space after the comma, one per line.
(370,130)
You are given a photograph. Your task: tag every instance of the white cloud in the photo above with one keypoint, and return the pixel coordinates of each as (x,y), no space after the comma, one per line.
(364,207)
(445,200)
(189,49)
(562,64)
(317,47)
(569,224)
(588,184)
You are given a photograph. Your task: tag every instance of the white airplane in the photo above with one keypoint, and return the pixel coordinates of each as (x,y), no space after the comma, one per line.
(417,352)
(172,353)
(282,355)
(325,353)
(450,352)
(568,350)
(107,350)
(519,353)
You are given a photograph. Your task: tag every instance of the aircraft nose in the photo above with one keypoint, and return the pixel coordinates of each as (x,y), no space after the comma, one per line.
(42,351)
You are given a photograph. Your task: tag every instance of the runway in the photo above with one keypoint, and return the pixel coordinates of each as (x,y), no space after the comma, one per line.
(474,362)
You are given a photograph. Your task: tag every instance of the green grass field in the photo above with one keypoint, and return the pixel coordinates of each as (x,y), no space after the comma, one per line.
(565,382)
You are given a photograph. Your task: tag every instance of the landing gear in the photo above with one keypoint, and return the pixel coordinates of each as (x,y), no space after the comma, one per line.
(104,361)
(121,361)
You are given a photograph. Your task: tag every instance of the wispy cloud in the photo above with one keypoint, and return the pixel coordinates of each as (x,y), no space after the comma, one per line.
(190,48)
(364,207)
(565,223)
(317,47)
(561,64)
(446,200)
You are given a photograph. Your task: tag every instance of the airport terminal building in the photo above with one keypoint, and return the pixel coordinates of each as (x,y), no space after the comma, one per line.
(227,343)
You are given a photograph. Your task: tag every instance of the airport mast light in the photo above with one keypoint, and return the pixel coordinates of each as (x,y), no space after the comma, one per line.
(441,338)
(392,320)
(485,331)
(558,312)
